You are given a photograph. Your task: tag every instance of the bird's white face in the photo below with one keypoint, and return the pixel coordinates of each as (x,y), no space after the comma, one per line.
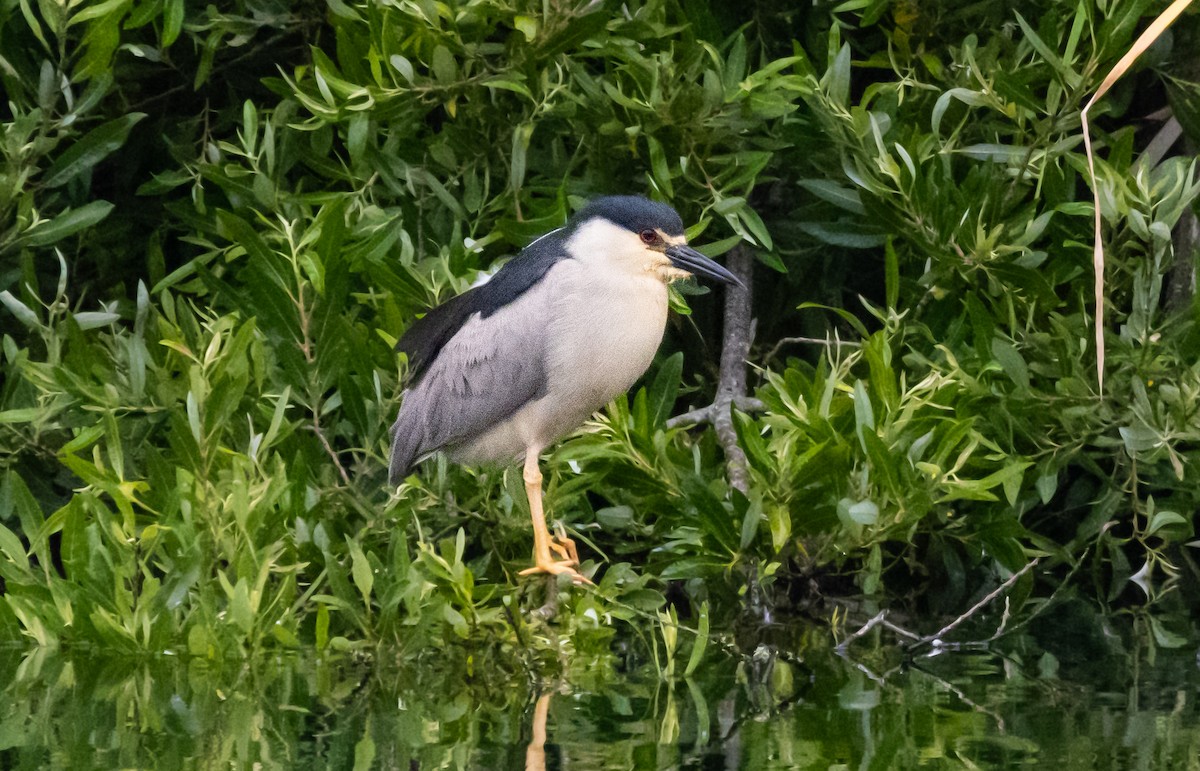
(607,245)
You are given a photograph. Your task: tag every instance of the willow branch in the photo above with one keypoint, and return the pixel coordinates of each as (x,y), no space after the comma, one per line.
(731,378)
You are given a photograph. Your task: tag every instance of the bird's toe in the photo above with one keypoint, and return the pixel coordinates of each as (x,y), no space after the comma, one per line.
(559,568)
(564,546)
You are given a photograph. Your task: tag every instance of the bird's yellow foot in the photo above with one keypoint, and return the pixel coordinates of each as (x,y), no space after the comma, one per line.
(558,568)
(564,546)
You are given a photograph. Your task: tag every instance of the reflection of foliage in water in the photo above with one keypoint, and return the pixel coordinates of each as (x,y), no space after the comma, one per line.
(1111,708)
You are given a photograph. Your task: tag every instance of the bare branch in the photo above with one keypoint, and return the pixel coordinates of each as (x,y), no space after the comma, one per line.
(316,429)
(872,622)
(731,383)
(936,637)
(834,343)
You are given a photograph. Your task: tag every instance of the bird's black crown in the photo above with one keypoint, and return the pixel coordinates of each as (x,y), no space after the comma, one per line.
(633,213)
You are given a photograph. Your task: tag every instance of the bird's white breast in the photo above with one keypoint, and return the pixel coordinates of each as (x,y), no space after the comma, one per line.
(609,312)
(602,314)
(608,330)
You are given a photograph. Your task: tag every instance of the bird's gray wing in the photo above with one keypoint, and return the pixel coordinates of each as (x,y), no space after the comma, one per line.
(491,367)
(425,337)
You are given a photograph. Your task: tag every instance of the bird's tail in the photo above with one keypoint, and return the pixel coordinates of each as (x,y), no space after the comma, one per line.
(406,445)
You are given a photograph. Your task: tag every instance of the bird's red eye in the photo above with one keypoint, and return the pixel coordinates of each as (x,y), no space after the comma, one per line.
(649,236)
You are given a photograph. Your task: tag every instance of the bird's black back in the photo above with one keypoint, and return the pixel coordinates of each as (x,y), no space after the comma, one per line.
(422,341)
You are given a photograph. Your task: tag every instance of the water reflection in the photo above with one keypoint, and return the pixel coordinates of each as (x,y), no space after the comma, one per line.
(804,709)
(535,753)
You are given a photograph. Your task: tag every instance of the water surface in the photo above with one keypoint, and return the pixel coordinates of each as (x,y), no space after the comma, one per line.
(1120,700)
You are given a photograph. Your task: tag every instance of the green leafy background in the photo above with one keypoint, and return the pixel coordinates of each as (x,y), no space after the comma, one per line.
(216,221)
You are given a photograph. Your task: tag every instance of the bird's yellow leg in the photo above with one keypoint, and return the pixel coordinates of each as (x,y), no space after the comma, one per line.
(543,560)
(535,753)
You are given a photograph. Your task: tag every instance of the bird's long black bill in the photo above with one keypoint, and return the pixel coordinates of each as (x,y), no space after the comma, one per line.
(686,258)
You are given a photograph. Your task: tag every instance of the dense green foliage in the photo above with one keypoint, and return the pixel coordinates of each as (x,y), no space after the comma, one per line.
(214,224)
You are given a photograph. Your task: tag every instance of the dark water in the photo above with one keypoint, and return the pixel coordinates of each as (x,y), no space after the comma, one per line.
(1120,700)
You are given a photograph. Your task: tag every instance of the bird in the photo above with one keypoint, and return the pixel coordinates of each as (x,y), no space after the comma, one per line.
(502,371)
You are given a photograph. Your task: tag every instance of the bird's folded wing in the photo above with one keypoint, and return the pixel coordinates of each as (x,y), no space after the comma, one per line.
(488,370)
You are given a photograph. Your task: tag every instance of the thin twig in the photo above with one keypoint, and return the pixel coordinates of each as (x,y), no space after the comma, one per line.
(880,619)
(1000,725)
(1001,589)
(316,429)
(897,629)
(1049,600)
(872,622)
(306,348)
(834,343)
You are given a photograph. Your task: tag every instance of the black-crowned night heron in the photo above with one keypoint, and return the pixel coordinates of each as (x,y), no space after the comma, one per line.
(510,366)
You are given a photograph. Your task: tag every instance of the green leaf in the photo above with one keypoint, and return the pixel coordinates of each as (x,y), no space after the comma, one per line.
(456,621)
(1139,438)
(714,518)
(364,750)
(445,69)
(849,235)
(522,135)
(836,79)
(1163,519)
(92,147)
(24,314)
(24,415)
(665,389)
(780,521)
(964,95)
(864,512)
(864,415)
(321,630)
(613,518)
(360,570)
(891,274)
(32,21)
(95,319)
(1069,77)
(693,567)
(1164,637)
(13,549)
(243,233)
(659,172)
(755,225)
(66,224)
(403,66)
(735,66)
(1011,362)
(172,22)
(844,314)
(995,152)
(751,519)
(528,26)
(701,642)
(99,10)
(839,195)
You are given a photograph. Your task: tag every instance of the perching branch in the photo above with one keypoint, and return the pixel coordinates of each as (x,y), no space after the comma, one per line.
(731,380)
(705,414)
